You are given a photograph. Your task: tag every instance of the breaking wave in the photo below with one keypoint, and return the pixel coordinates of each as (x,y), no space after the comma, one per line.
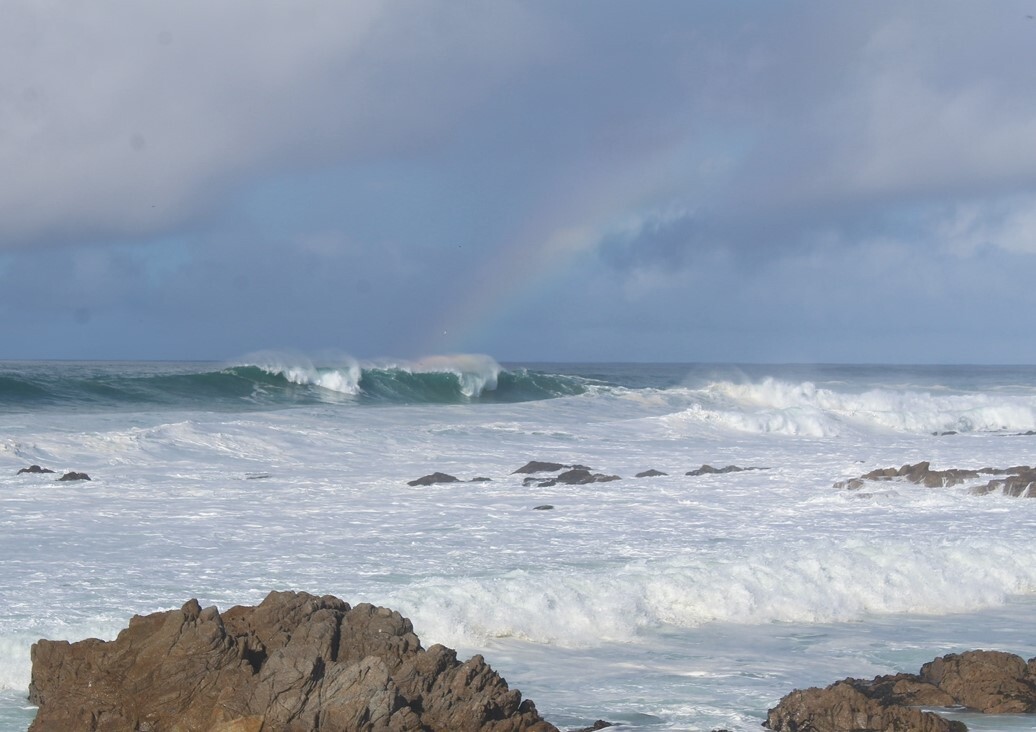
(274,381)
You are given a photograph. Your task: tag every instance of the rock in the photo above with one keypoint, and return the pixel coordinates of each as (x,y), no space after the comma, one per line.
(480,479)
(582,476)
(535,466)
(74,476)
(992,682)
(709,470)
(650,474)
(1020,480)
(544,507)
(433,479)
(34,469)
(842,707)
(295,662)
(599,724)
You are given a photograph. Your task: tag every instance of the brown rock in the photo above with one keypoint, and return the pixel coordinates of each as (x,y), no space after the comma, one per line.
(842,707)
(296,662)
(993,682)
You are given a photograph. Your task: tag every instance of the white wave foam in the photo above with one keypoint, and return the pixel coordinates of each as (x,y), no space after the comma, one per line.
(342,377)
(476,372)
(779,407)
(822,583)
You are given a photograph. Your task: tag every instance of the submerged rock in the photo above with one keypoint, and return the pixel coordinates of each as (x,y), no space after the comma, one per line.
(544,507)
(34,469)
(434,478)
(295,662)
(652,473)
(992,682)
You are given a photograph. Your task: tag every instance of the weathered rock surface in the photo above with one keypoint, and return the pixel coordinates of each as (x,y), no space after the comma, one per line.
(1019,480)
(34,469)
(434,478)
(295,662)
(992,682)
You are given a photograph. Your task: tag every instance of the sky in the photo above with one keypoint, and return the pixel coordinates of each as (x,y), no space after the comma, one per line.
(535,180)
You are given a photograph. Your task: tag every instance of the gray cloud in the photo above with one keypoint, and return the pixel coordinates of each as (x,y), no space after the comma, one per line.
(360,176)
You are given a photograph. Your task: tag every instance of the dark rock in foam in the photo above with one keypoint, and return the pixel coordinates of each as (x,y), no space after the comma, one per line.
(1019,480)
(74,476)
(34,469)
(652,473)
(296,662)
(434,478)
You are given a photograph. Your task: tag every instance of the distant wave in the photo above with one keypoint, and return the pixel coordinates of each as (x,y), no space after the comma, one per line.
(802,408)
(275,381)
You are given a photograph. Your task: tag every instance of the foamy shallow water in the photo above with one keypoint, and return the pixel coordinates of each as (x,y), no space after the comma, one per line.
(667,603)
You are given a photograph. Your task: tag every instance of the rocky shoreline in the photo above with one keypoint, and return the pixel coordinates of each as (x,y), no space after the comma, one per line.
(294,663)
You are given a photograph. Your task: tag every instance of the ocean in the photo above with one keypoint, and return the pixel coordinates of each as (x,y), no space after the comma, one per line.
(674,602)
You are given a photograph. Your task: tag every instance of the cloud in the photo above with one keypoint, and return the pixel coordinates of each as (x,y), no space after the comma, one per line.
(122,120)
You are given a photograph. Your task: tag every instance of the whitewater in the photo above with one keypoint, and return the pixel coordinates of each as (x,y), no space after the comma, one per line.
(674,602)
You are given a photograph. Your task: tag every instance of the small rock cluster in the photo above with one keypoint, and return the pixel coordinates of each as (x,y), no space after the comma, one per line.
(992,682)
(36,469)
(569,475)
(1017,481)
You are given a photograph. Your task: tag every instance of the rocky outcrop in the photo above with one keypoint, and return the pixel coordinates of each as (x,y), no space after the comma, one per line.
(992,682)
(34,469)
(1019,480)
(652,473)
(295,662)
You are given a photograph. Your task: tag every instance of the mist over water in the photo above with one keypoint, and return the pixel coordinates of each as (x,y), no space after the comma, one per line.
(675,602)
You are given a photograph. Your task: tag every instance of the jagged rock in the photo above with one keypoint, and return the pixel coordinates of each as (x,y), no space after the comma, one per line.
(34,469)
(434,478)
(992,682)
(652,473)
(536,466)
(1020,480)
(709,470)
(295,662)
(582,476)
(74,476)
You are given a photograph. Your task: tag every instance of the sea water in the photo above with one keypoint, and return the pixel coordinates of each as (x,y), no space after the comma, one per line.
(665,603)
